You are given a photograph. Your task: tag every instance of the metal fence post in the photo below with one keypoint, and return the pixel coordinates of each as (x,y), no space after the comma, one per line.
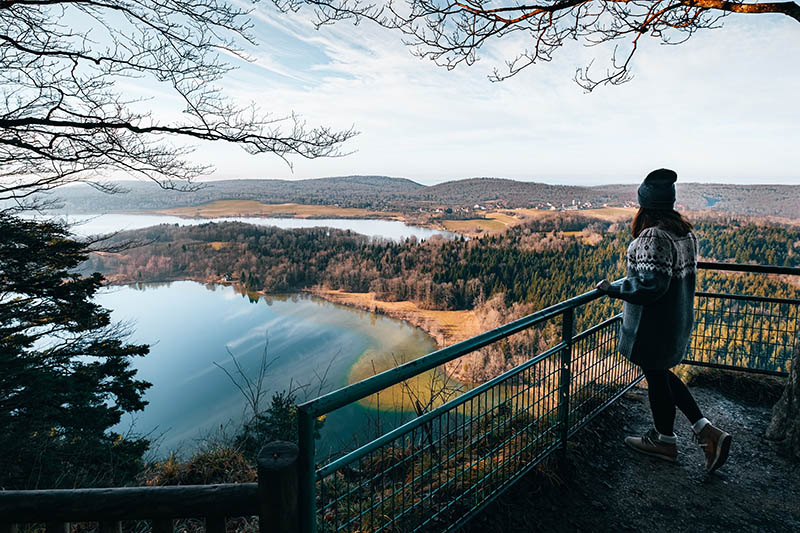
(277,487)
(567,332)
(307,498)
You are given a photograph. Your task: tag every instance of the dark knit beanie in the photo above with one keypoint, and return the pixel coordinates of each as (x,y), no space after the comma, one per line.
(657,191)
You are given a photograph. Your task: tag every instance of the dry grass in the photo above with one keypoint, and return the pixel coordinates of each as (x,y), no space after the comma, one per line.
(523,213)
(446,327)
(611,214)
(504,218)
(250,208)
(494,222)
(475,226)
(501,220)
(218,464)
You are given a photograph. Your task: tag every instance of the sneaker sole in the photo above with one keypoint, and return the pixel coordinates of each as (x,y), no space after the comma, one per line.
(652,454)
(722,453)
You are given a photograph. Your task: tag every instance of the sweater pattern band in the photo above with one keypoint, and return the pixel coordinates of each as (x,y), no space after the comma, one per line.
(656,250)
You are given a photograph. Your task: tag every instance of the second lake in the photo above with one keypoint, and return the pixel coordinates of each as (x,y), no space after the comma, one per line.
(85,225)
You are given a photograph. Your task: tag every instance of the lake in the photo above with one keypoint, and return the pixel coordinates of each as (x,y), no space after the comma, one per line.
(312,345)
(387,229)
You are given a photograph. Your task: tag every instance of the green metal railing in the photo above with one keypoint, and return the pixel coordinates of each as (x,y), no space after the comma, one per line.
(437,470)
(741,332)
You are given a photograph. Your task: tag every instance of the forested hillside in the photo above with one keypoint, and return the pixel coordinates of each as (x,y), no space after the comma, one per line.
(503,276)
(350,191)
(534,263)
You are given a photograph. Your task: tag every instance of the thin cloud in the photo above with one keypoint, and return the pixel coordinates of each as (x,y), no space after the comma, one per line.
(714,107)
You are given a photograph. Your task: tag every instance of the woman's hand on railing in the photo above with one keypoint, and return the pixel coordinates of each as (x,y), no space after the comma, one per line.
(602,285)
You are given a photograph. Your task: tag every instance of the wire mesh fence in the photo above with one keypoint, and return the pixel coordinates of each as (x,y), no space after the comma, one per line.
(436,471)
(599,374)
(744,332)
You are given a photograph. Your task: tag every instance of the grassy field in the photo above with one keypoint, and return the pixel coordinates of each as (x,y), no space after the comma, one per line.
(476,226)
(250,208)
(494,222)
(611,214)
(499,221)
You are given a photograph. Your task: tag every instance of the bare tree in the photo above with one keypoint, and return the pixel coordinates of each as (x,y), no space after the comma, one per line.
(451,32)
(70,109)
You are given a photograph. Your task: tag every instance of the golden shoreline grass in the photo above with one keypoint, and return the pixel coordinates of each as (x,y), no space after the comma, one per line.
(445,327)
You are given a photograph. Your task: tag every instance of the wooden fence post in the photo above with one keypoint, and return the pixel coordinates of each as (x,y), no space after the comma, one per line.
(57,527)
(277,487)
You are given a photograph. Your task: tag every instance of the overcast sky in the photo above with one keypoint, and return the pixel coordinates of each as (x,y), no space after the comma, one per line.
(722,107)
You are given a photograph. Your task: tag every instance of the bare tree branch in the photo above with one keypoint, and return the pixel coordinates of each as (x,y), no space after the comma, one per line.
(451,32)
(65,117)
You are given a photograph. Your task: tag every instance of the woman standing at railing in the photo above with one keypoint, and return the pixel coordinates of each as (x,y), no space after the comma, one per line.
(657,319)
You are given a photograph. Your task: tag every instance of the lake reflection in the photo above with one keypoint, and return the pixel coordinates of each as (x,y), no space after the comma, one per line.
(310,343)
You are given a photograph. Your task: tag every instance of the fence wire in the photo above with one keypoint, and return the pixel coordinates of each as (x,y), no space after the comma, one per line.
(745,333)
(599,373)
(438,470)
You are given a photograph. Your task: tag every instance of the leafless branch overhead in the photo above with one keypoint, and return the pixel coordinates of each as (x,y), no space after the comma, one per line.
(69,68)
(451,32)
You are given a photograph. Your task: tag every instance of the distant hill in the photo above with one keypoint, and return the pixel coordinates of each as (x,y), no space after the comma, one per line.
(386,193)
(510,193)
(347,191)
(755,200)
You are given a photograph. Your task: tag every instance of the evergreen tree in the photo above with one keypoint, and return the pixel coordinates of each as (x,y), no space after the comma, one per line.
(65,375)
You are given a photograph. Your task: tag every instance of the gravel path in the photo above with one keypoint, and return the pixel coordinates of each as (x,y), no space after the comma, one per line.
(604,486)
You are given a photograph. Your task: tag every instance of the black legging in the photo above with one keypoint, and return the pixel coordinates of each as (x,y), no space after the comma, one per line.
(666,392)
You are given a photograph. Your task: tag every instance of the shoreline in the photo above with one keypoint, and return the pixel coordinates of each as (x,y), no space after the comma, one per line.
(297,211)
(254,209)
(445,327)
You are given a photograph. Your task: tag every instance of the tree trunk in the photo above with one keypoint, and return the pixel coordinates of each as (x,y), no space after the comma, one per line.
(785,425)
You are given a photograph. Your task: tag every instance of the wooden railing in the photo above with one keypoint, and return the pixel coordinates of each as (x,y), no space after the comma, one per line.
(273,499)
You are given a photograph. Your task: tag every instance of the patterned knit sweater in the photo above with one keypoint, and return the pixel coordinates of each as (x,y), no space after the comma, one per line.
(659,298)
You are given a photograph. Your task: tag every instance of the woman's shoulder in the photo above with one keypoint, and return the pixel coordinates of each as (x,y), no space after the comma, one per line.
(651,241)
(654,233)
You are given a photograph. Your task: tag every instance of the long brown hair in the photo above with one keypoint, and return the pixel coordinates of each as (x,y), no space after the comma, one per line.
(666,219)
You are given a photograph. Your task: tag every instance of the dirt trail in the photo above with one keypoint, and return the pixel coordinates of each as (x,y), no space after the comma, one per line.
(606,487)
